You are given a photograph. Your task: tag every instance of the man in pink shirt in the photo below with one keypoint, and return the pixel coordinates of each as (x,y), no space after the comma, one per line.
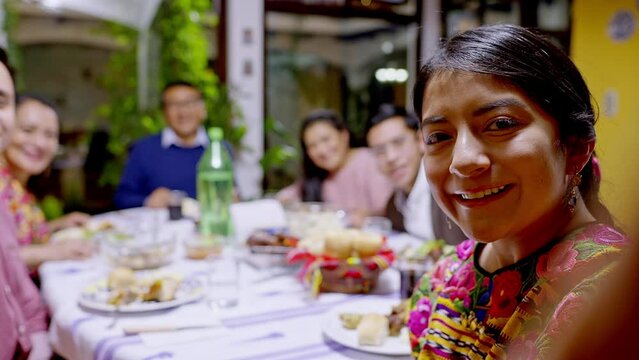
(22,314)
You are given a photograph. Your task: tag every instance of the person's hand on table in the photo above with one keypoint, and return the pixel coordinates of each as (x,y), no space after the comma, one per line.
(73,249)
(73,219)
(159,198)
(356,217)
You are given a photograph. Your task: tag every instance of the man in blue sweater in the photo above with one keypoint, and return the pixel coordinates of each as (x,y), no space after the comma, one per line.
(166,161)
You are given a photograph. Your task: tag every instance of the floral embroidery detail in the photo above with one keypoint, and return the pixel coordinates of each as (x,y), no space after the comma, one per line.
(460,285)
(31,226)
(561,259)
(465,306)
(523,348)
(465,249)
(607,236)
(566,313)
(418,318)
(506,288)
(440,274)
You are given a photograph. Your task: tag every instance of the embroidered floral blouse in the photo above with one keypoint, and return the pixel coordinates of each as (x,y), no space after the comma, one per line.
(461,311)
(30,222)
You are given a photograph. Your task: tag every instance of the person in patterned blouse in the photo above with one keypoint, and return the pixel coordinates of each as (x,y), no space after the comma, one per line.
(508,127)
(29,151)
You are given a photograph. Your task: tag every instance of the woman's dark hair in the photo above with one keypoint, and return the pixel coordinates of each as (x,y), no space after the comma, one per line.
(24,97)
(387,111)
(177,83)
(541,70)
(38,184)
(313,175)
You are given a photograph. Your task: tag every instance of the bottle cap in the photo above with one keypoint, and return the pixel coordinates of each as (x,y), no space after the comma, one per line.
(216,133)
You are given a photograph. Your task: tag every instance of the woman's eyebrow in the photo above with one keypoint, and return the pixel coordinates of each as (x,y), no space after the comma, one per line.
(433,120)
(502,103)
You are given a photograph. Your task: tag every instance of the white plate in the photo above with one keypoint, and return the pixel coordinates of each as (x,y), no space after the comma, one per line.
(95,297)
(333,329)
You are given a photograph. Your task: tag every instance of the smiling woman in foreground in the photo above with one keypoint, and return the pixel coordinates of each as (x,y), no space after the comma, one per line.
(509,131)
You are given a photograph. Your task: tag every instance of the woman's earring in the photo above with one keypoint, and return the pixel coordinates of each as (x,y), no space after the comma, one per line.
(574,192)
(450,226)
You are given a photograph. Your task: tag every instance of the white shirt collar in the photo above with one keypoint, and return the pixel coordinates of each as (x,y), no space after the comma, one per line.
(169,137)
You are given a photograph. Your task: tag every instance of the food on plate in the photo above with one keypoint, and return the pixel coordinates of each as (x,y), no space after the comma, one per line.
(124,287)
(162,289)
(375,330)
(271,237)
(372,329)
(84,232)
(396,318)
(350,320)
(121,278)
(99,225)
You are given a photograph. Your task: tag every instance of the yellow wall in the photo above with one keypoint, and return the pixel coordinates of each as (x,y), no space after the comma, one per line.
(607,64)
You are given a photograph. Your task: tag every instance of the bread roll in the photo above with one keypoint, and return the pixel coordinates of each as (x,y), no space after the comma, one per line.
(338,244)
(372,330)
(367,244)
(121,278)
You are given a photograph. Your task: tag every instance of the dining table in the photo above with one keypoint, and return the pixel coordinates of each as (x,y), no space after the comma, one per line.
(275,318)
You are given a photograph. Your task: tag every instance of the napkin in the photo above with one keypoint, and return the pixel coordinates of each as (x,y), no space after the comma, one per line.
(249,216)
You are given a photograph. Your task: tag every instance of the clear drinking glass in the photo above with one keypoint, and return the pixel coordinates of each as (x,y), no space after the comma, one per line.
(224,278)
(377,224)
(410,272)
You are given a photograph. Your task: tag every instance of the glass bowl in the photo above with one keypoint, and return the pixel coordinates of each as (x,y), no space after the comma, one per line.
(307,219)
(138,251)
(197,248)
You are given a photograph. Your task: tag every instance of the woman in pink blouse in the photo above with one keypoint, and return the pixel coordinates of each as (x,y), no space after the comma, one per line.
(31,147)
(335,173)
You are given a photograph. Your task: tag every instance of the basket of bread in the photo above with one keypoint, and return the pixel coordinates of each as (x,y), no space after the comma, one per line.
(346,261)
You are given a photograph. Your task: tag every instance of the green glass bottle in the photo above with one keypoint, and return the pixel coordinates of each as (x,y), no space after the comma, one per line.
(215,187)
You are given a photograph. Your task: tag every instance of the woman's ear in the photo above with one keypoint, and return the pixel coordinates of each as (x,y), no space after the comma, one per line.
(579,152)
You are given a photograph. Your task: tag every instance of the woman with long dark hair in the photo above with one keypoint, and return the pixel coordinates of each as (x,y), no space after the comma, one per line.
(336,173)
(29,152)
(508,126)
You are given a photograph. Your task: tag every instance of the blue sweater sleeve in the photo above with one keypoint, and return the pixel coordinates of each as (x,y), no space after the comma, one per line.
(131,191)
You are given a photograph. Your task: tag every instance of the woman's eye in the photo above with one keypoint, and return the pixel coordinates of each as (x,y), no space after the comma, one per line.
(436,137)
(27,129)
(502,124)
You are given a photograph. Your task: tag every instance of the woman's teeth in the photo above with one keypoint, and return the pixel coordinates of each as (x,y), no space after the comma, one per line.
(481,194)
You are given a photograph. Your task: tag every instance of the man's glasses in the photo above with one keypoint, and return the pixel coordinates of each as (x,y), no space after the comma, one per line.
(184,104)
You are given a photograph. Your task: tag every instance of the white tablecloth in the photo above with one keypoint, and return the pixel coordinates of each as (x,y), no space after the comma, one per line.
(275,319)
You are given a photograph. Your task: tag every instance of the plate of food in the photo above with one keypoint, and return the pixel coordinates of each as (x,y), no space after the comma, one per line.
(274,241)
(127,291)
(85,232)
(373,325)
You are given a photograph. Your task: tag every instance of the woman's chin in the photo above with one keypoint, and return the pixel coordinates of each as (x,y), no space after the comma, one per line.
(485,233)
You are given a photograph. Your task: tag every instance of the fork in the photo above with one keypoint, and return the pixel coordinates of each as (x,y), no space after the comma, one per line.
(116,317)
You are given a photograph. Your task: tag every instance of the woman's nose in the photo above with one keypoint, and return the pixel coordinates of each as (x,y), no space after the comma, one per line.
(42,141)
(469,157)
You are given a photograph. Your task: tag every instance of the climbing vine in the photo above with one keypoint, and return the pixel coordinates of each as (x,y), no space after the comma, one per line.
(180,28)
